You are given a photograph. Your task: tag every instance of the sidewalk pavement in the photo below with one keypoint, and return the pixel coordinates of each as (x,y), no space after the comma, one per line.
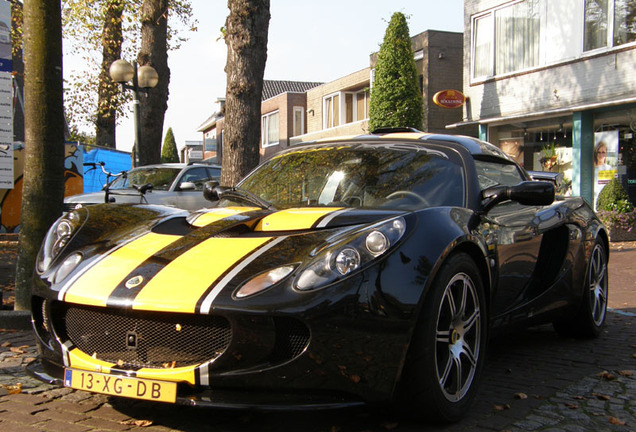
(533,381)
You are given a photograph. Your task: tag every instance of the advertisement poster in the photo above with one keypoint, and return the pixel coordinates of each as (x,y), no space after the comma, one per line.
(605,159)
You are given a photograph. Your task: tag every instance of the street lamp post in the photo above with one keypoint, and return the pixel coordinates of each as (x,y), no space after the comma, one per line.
(142,78)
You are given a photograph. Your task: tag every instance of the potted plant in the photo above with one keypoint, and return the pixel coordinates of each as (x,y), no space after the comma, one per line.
(548,156)
(616,211)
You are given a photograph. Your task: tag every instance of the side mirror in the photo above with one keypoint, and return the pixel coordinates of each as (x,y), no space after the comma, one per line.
(187,186)
(534,193)
(210,191)
(143,188)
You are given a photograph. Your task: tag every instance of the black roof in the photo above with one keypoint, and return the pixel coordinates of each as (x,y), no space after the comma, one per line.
(273,88)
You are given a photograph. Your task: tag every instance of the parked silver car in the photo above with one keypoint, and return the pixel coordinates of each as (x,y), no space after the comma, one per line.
(176,185)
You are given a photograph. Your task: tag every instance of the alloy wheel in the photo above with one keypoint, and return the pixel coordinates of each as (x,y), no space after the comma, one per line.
(458,337)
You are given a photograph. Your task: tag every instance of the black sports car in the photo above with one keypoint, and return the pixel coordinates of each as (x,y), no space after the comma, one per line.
(349,271)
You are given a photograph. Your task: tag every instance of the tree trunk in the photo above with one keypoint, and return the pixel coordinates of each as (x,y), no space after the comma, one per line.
(43,187)
(246,28)
(107,92)
(154,52)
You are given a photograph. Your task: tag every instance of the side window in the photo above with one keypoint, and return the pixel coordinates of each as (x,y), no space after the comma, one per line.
(214,173)
(493,173)
(198,176)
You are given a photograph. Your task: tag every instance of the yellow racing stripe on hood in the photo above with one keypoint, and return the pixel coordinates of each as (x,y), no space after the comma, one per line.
(294,219)
(98,282)
(179,286)
(219,213)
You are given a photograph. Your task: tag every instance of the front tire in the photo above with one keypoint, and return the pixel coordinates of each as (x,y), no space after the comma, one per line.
(448,347)
(589,319)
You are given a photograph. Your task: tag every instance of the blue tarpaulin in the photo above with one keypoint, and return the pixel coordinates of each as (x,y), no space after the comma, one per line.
(114,161)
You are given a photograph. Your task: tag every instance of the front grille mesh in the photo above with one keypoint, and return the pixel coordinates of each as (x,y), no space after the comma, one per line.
(145,339)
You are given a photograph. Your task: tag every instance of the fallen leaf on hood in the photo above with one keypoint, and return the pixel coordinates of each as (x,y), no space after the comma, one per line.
(607,376)
(615,421)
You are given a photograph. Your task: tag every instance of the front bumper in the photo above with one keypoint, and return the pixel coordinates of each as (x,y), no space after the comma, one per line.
(224,398)
(342,355)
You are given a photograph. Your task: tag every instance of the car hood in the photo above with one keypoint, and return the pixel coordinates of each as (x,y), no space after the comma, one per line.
(177,262)
(119,195)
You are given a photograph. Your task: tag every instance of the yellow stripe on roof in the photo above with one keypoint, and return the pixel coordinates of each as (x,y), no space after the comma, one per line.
(218,214)
(294,219)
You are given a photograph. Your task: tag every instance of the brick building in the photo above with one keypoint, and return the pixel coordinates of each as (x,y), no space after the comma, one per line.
(294,112)
(340,107)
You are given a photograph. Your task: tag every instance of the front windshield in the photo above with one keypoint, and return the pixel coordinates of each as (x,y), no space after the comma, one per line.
(361,176)
(160,178)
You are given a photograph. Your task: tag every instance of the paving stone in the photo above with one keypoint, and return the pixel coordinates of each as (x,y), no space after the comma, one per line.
(105,425)
(62,426)
(20,417)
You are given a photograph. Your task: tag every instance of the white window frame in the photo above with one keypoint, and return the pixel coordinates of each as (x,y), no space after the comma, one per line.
(265,129)
(325,111)
(545,58)
(301,110)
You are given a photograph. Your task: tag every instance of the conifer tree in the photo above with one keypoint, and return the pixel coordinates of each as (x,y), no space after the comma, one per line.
(396,97)
(169,150)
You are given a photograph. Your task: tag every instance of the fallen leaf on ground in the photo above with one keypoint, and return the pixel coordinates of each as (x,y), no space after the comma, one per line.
(579,397)
(12,389)
(625,373)
(501,407)
(615,421)
(17,350)
(389,426)
(139,423)
(572,406)
(5,344)
(521,396)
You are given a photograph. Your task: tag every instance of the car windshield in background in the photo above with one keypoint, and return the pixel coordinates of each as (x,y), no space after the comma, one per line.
(159,178)
(364,176)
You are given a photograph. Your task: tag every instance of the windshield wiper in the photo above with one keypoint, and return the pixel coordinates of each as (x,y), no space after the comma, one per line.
(245,196)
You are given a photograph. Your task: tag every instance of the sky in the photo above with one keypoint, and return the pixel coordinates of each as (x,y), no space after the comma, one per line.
(316,41)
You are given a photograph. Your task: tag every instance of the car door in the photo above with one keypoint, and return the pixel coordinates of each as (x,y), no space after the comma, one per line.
(192,199)
(518,235)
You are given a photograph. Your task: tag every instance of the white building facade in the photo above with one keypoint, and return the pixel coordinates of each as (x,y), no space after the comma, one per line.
(549,80)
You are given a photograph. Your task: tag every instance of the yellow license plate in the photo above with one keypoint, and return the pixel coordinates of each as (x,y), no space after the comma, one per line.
(118,385)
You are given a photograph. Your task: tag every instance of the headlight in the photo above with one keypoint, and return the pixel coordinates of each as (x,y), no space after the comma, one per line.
(349,255)
(264,281)
(58,236)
